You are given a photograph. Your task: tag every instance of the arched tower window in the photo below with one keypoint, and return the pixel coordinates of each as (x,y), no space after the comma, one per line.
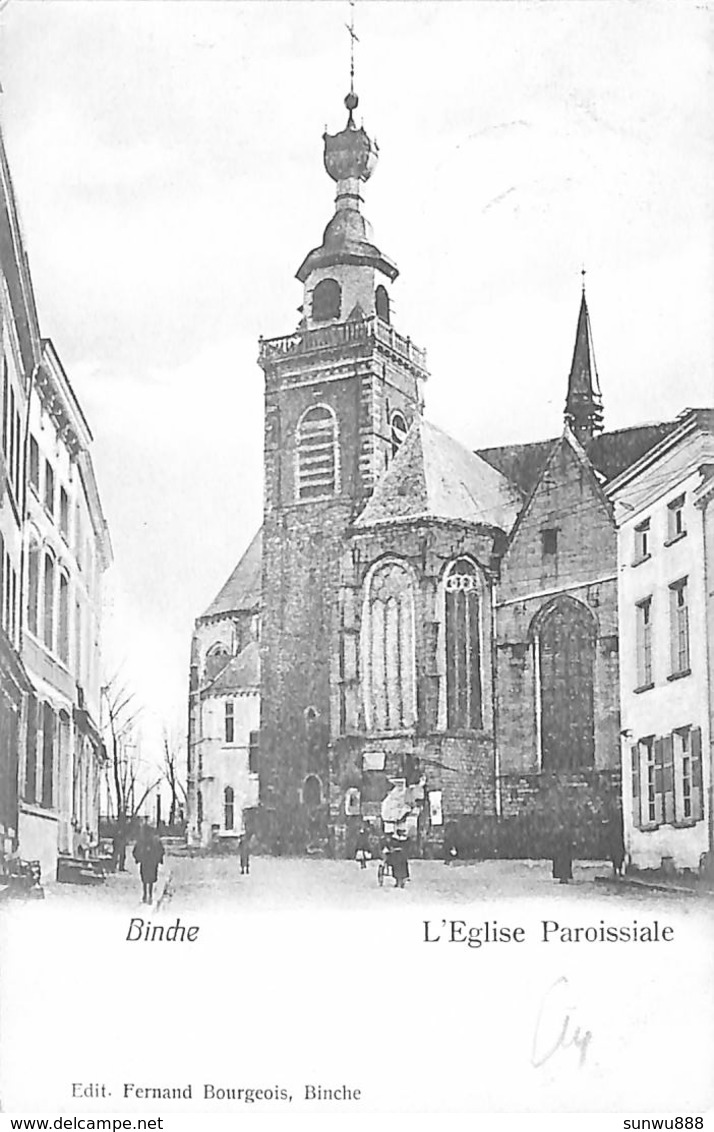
(564,641)
(397,430)
(326,300)
(388,648)
(228,808)
(312,792)
(381,302)
(463,646)
(317,454)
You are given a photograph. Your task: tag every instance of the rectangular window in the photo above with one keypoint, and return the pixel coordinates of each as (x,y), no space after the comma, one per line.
(683,769)
(644,643)
(34,465)
(31,751)
(49,488)
(549,540)
(679,627)
(253,752)
(48,754)
(652,789)
(17,467)
(230,722)
(675,519)
(5,391)
(642,541)
(64,514)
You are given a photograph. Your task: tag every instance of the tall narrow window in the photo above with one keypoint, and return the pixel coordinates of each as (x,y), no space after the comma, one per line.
(644,643)
(326,300)
(228,808)
(49,602)
(34,465)
(48,754)
(2,581)
(5,404)
(64,514)
(49,488)
(63,626)
(33,587)
(679,627)
(381,302)
(31,751)
(675,519)
(642,541)
(549,542)
(229,721)
(463,646)
(388,649)
(651,800)
(317,454)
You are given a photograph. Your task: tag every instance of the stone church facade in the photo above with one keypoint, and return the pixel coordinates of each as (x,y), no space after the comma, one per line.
(438,627)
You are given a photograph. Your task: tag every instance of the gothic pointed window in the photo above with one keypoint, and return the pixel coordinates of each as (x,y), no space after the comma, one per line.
(565,654)
(463,646)
(326,300)
(388,648)
(317,454)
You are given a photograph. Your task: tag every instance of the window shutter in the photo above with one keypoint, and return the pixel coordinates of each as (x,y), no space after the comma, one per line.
(659,779)
(668,778)
(695,736)
(636,805)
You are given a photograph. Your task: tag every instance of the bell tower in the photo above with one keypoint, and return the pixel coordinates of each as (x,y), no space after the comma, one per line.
(340,392)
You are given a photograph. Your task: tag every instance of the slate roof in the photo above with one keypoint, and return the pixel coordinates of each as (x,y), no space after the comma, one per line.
(433,476)
(610,453)
(241,674)
(243,588)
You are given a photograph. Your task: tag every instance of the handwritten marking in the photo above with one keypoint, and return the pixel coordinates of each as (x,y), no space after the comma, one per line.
(556,1028)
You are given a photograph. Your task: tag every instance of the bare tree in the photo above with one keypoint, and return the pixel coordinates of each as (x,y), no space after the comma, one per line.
(121,715)
(173,775)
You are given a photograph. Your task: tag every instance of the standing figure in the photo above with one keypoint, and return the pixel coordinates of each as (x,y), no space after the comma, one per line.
(148,854)
(362,849)
(244,853)
(399,861)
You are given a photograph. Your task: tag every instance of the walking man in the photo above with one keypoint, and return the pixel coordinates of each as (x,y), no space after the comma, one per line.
(148,854)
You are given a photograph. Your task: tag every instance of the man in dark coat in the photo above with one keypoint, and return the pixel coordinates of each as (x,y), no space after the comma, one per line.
(148,854)
(244,853)
(399,861)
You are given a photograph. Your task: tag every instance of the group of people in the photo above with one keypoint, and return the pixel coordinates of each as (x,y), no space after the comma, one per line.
(393,855)
(149,856)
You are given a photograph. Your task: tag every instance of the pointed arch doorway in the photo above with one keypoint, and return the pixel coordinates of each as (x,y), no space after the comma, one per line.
(565,635)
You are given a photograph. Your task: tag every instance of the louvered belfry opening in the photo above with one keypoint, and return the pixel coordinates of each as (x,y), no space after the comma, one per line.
(317,454)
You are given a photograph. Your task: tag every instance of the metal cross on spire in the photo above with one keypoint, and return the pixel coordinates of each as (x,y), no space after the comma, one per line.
(354,38)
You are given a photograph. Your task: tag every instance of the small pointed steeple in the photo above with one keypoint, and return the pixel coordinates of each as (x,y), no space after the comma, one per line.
(583,405)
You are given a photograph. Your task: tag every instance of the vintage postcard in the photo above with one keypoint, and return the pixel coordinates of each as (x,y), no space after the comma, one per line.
(356,562)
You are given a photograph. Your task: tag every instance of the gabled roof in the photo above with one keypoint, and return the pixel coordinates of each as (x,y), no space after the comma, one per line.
(432,476)
(241,674)
(610,453)
(242,590)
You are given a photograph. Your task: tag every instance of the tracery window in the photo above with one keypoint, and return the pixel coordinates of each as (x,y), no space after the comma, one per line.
(565,638)
(317,454)
(463,646)
(388,648)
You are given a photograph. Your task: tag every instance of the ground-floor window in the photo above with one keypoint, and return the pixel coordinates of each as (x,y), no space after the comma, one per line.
(228,808)
(667,778)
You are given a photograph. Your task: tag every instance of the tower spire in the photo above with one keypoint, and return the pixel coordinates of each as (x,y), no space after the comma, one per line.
(583,405)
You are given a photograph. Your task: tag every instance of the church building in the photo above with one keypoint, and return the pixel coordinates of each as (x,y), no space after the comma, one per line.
(438,627)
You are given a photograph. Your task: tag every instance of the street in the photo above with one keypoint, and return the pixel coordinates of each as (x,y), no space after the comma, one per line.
(284,883)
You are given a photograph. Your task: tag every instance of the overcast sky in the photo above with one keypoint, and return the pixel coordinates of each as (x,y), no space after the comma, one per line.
(167,159)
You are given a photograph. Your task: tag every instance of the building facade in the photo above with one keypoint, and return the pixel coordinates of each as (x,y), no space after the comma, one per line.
(440,639)
(224,710)
(19,357)
(663,508)
(67,551)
